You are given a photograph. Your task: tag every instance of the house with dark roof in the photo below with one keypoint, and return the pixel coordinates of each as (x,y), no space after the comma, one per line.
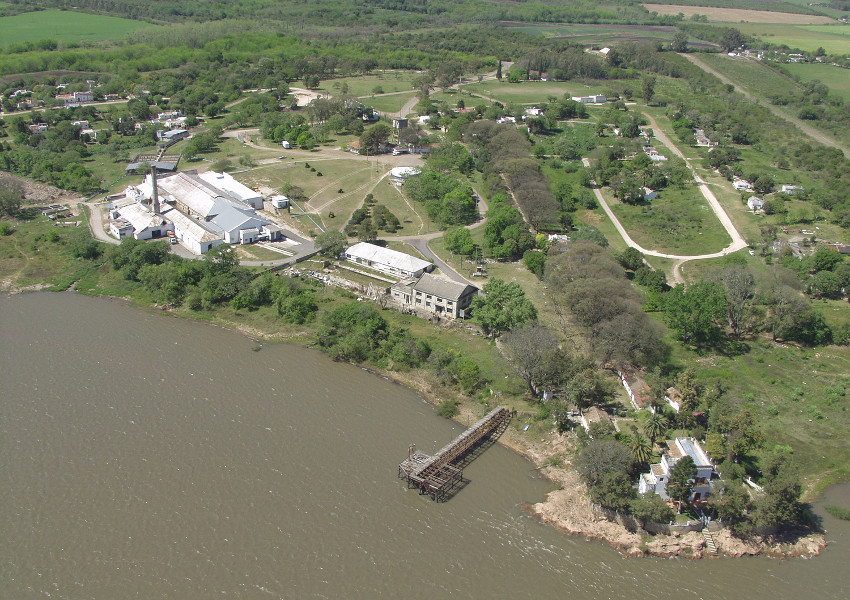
(437,295)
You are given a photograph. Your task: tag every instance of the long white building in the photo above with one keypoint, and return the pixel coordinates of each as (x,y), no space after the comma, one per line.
(387,261)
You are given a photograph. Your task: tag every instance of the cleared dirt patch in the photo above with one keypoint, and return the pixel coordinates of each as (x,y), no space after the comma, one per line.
(735,15)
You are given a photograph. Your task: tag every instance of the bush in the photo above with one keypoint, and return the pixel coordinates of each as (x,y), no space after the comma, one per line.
(448,409)
(838,512)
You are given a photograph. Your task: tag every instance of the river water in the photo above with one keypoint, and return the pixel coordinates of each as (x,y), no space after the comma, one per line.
(150,457)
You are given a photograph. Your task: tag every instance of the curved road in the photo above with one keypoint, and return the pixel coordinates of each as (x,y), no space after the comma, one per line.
(737,244)
(807,129)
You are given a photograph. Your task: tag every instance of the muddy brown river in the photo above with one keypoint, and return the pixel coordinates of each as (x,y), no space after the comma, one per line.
(149,457)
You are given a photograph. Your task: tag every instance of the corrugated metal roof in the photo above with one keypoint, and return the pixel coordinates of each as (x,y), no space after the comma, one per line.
(226,182)
(385,256)
(190,227)
(140,217)
(444,288)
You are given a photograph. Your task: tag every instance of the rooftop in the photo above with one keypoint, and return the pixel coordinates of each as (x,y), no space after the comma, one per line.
(385,256)
(444,288)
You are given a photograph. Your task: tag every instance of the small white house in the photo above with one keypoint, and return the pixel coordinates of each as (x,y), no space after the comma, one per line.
(286,144)
(754,203)
(792,189)
(249,236)
(279,201)
(742,185)
(591,99)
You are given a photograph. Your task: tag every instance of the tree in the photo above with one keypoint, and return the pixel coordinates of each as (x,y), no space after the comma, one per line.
(780,506)
(694,312)
(601,457)
(730,501)
(534,261)
(651,508)
(680,484)
(11,196)
(680,42)
(503,307)
(459,241)
(732,39)
(740,288)
(631,259)
(655,427)
(331,242)
(614,492)
(527,347)
(648,88)
(375,137)
(641,448)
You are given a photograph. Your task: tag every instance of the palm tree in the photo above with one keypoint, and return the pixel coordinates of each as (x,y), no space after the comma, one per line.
(655,426)
(641,448)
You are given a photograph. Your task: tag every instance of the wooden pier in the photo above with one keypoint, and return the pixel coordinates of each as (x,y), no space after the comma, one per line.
(439,475)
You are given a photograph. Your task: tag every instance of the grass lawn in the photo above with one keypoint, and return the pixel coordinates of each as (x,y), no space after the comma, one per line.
(388,102)
(389,81)
(526,92)
(679,221)
(65,25)
(411,214)
(836,78)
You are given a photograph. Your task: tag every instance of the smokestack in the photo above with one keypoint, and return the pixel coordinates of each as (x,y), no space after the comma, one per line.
(155,195)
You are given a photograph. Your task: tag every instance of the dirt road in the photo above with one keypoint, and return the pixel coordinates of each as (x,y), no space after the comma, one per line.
(807,129)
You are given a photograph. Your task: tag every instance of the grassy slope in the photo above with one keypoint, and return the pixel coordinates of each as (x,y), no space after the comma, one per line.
(64,25)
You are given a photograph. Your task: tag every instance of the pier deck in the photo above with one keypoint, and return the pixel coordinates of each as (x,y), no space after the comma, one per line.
(438,475)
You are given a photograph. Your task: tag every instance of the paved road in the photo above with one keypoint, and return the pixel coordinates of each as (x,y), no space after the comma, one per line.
(807,129)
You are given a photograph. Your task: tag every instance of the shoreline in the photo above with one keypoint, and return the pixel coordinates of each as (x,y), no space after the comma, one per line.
(568,508)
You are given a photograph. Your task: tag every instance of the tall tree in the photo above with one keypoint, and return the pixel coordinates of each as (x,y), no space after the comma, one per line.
(11,196)
(655,427)
(651,508)
(648,88)
(694,312)
(527,348)
(502,307)
(680,485)
(601,457)
(641,448)
(740,288)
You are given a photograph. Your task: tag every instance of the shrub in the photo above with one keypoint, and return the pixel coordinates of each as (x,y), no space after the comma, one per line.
(448,409)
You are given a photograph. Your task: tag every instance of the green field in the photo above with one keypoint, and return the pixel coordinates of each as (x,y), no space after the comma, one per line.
(68,26)
(835,39)
(389,81)
(836,78)
(588,34)
(679,221)
(526,92)
(389,102)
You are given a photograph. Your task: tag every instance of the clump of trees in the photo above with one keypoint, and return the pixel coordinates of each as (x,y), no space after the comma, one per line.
(447,200)
(588,286)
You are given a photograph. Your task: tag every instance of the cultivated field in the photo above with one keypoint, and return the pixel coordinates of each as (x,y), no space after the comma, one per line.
(835,39)
(65,25)
(598,34)
(527,92)
(735,15)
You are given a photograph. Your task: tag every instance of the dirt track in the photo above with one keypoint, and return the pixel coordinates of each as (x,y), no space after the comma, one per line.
(807,129)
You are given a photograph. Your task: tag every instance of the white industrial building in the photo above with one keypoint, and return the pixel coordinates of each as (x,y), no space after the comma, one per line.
(226,182)
(387,261)
(145,224)
(203,211)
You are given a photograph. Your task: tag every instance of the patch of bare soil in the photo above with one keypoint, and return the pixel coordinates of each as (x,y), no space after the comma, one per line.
(40,193)
(735,15)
